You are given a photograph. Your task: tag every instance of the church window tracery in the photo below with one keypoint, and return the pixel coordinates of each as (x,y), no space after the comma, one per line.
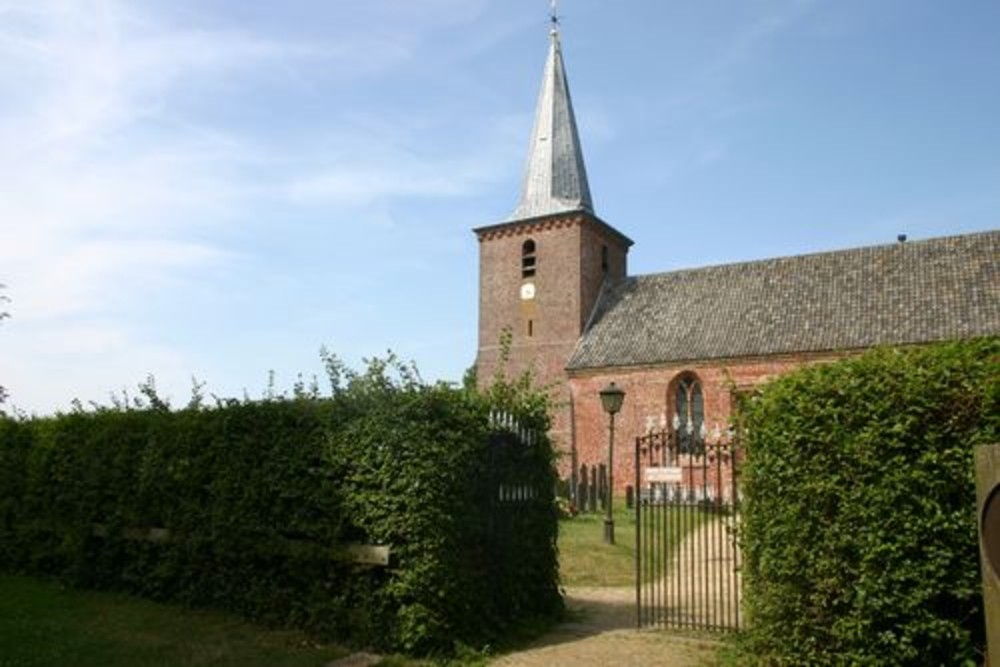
(689,415)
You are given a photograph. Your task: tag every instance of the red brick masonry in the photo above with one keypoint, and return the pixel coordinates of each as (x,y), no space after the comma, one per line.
(649,404)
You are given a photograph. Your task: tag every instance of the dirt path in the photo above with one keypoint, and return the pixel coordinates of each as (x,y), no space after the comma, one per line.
(603,630)
(702,585)
(604,634)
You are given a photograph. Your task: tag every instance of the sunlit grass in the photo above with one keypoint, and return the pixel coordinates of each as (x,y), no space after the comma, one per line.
(585,559)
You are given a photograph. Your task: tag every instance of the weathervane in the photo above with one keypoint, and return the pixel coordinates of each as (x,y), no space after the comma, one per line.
(554,15)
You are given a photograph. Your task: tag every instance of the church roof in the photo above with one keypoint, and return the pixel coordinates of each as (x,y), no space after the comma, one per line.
(555,179)
(913,292)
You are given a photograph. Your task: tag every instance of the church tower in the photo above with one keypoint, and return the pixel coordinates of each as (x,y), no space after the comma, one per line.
(542,270)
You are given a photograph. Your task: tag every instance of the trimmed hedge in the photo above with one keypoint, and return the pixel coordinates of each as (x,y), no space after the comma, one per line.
(859,528)
(257,496)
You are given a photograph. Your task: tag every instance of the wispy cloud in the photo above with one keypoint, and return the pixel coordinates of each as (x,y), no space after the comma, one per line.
(710,98)
(390,172)
(754,36)
(99,172)
(102,183)
(129,162)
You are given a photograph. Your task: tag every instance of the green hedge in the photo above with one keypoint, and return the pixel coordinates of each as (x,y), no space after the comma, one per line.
(859,528)
(258,495)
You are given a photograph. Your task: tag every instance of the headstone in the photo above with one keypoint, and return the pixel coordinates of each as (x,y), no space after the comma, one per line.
(602,485)
(629,497)
(593,488)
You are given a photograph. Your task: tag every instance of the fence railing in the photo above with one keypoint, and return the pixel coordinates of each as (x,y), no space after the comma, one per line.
(687,513)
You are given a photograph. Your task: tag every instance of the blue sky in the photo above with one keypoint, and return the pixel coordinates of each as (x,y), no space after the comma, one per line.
(216,188)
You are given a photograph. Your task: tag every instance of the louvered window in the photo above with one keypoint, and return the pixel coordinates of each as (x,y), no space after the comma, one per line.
(528,261)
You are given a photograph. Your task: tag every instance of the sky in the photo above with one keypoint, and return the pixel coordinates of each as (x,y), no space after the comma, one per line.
(215,189)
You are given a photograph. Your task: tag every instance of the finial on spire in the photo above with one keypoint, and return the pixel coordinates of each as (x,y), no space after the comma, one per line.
(555,180)
(554,16)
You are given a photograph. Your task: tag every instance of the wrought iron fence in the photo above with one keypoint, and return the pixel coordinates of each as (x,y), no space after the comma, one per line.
(687,512)
(519,488)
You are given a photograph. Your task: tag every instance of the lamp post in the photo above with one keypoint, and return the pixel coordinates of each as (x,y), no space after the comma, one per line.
(611,399)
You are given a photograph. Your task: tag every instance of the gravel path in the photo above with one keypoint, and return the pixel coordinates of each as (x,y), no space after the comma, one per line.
(603,632)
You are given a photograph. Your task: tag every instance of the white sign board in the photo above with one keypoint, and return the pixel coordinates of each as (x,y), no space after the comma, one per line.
(364,554)
(661,474)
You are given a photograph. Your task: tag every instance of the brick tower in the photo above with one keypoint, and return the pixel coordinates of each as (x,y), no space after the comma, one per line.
(542,270)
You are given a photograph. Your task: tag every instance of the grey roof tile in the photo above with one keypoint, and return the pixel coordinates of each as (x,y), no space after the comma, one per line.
(913,292)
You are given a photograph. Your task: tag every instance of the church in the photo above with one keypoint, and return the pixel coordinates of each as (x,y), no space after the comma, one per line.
(554,277)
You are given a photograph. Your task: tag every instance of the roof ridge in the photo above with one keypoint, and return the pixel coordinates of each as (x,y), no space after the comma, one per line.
(936,289)
(820,253)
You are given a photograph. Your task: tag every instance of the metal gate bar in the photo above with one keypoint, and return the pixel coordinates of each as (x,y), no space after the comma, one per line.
(687,508)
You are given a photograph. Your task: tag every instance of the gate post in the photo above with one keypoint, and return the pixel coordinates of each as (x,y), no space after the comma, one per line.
(988,506)
(638,541)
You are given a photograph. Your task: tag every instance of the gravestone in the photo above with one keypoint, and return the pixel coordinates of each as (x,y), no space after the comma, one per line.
(602,485)
(593,488)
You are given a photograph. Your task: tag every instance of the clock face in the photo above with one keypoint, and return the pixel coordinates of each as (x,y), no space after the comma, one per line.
(528,291)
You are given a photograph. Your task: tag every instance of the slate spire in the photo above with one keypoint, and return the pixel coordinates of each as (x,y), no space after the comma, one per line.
(555,179)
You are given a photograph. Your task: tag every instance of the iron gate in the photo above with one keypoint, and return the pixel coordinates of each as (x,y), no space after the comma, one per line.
(686,511)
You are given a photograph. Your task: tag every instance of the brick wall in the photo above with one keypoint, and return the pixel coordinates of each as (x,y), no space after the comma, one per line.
(649,402)
(569,273)
(568,276)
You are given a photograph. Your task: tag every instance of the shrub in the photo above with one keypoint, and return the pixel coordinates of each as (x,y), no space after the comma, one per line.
(859,528)
(423,473)
(257,497)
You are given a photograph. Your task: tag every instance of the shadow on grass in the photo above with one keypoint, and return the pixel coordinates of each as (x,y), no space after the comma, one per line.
(43,623)
(596,611)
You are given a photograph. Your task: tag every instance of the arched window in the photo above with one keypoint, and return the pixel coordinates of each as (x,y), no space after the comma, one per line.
(689,416)
(528,262)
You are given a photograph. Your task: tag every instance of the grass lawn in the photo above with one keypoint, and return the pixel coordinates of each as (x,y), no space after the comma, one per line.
(45,624)
(584,558)
(42,623)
